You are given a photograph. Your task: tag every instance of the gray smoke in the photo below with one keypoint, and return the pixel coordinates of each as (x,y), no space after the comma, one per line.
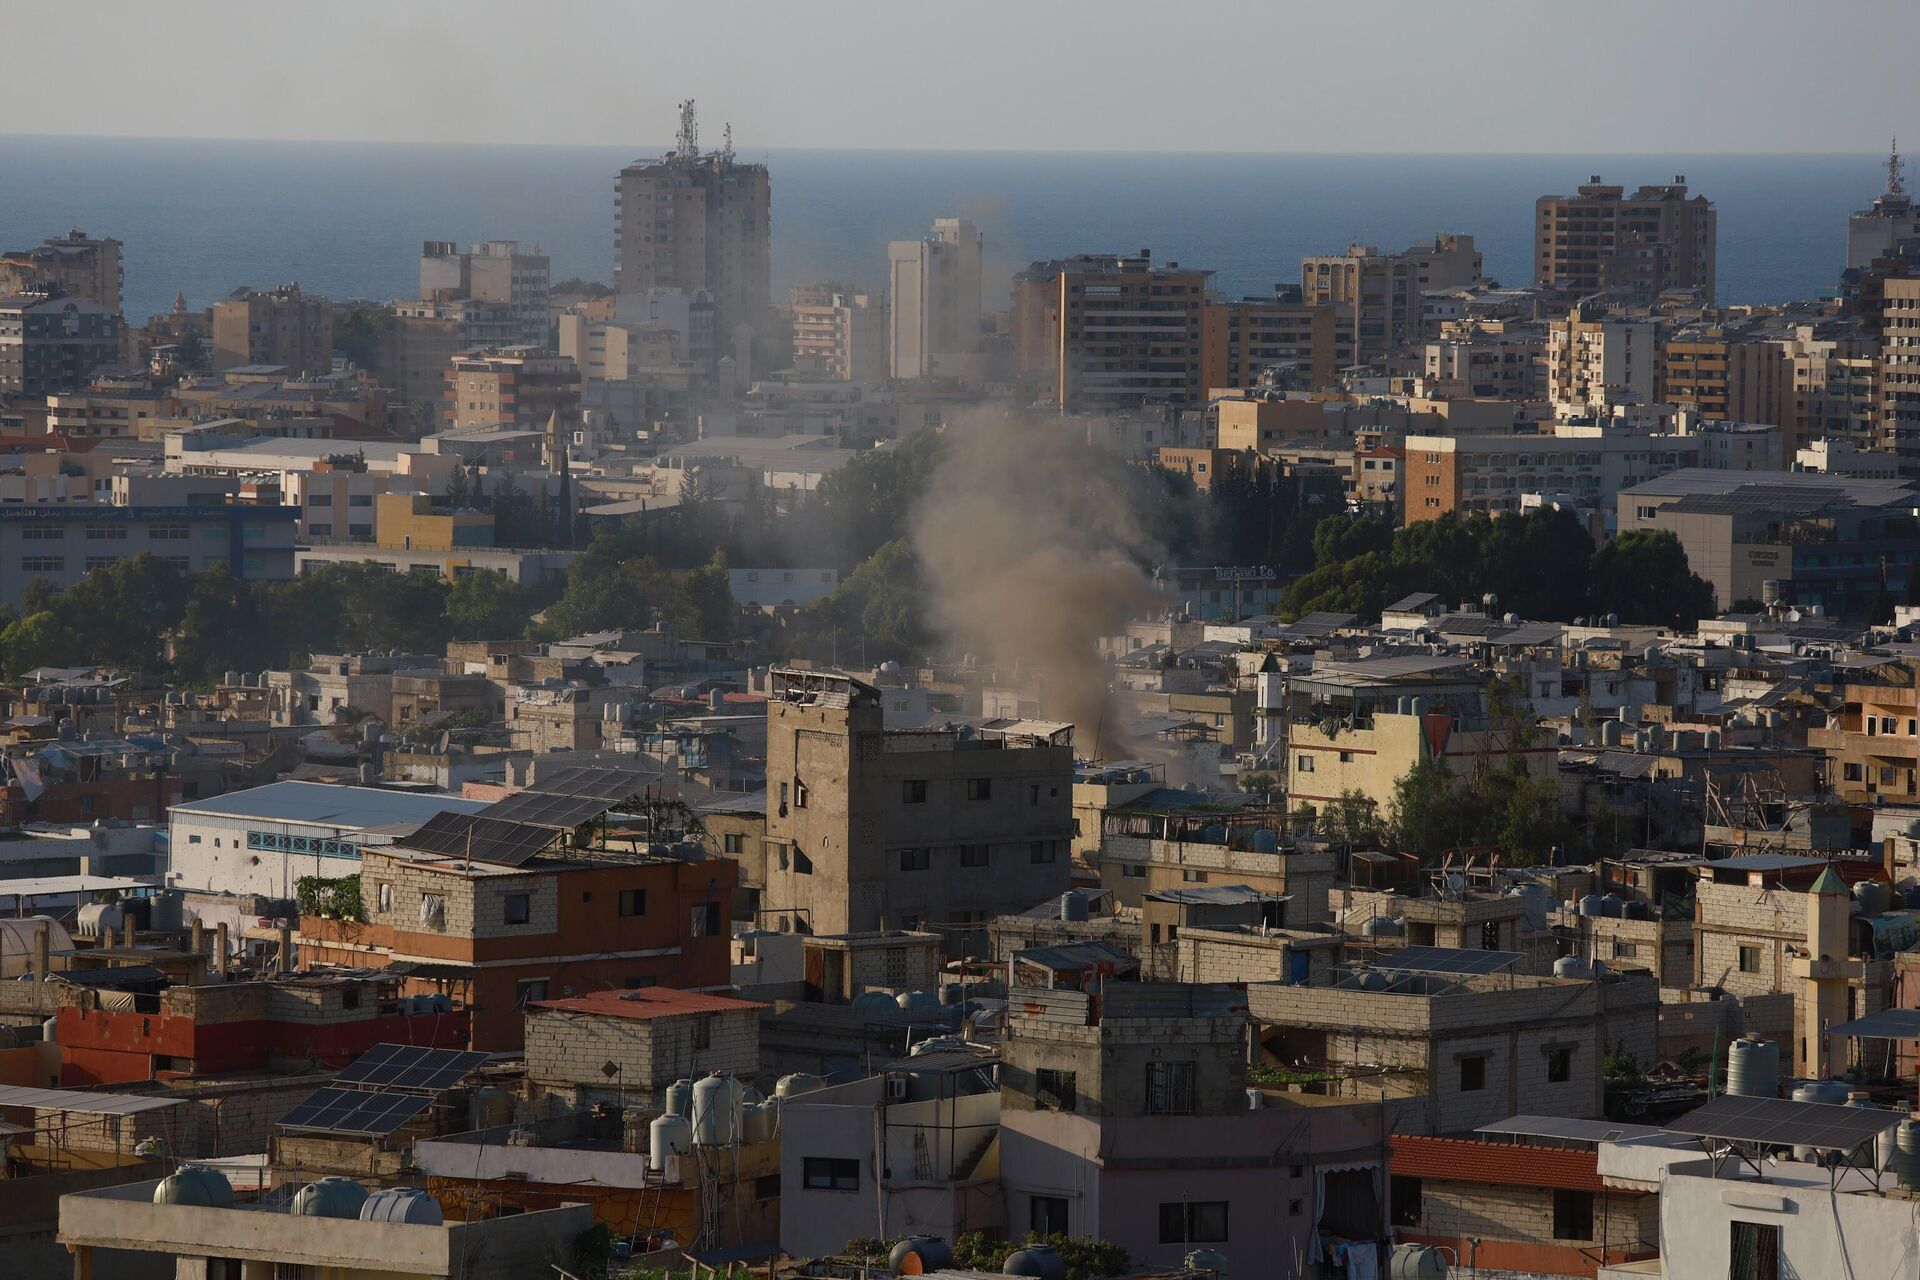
(1031,550)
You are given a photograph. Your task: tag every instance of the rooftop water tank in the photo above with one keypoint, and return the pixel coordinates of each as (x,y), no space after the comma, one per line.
(1073,907)
(670,1138)
(756,1122)
(874,1001)
(1042,1261)
(330,1197)
(1572,967)
(920,1255)
(1831,1092)
(1417,1262)
(1379,927)
(1906,1153)
(190,1184)
(680,1098)
(952,994)
(409,1205)
(716,1111)
(1592,905)
(1753,1068)
(797,1083)
(1266,840)
(95,918)
(1612,906)
(1873,897)
(918,1000)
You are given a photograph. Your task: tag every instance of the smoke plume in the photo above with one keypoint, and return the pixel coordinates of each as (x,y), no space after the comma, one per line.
(1030,549)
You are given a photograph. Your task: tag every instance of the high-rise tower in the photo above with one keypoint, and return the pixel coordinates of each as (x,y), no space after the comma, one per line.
(697,222)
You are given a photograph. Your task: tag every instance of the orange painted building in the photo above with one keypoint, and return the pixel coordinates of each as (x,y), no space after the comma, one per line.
(564,923)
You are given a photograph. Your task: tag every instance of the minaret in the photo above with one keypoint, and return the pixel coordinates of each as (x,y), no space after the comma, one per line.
(559,458)
(1824,970)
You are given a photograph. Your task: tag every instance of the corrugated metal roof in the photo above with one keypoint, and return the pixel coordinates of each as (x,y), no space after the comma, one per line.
(325,804)
(93,1104)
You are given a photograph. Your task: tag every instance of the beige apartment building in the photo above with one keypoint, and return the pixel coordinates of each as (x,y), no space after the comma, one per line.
(1727,376)
(1449,475)
(1596,360)
(697,222)
(1900,373)
(1242,340)
(1378,299)
(939,829)
(1656,239)
(838,334)
(422,340)
(1128,333)
(500,272)
(934,295)
(273,327)
(75,264)
(519,387)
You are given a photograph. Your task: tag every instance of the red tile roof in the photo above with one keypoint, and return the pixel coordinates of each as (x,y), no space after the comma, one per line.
(1499,1163)
(647,1002)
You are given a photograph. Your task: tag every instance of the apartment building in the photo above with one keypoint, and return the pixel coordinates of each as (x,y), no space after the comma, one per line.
(1453,1052)
(1126,1118)
(59,544)
(1834,382)
(1128,333)
(941,828)
(697,222)
(1877,231)
(1251,342)
(501,272)
(1900,373)
(52,342)
(423,338)
(1599,238)
(1726,376)
(1454,475)
(1502,365)
(650,1036)
(1378,299)
(1211,866)
(1872,737)
(838,334)
(514,386)
(1596,360)
(279,326)
(76,264)
(502,936)
(934,297)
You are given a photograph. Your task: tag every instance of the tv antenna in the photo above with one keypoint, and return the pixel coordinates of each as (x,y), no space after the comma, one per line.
(687,144)
(1896,184)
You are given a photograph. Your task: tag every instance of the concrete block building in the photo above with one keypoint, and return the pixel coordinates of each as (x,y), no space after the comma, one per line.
(652,1036)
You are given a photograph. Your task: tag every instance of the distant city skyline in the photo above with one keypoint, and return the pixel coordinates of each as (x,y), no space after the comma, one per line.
(1711,76)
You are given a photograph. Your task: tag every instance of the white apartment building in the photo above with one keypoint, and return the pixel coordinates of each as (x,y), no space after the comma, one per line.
(934,286)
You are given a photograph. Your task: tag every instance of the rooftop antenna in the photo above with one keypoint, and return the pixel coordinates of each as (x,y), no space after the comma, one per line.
(1896,185)
(687,144)
(726,150)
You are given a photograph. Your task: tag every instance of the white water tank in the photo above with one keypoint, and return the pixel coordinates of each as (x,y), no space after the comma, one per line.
(408,1205)
(670,1138)
(716,1111)
(1753,1068)
(680,1098)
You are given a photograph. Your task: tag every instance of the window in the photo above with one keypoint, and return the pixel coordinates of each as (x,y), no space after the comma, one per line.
(42,533)
(913,791)
(703,1031)
(1303,763)
(733,842)
(705,921)
(1754,1252)
(799,794)
(383,892)
(1170,1088)
(915,859)
(1572,1215)
(1191,876)
(359,499)
(1040,851)
(433,909)
(975,855)
(1193,1222)
(1133,871)
(102,562)
(519,908)
(633,902)
(979,788)
(1560,1064)
(319,499)
(1053,1089)
(1473,1073)
(42,564)
(1749,959)
(528,990)
(169,533)
(1407,1206)
(824,1173)
(1047,1215)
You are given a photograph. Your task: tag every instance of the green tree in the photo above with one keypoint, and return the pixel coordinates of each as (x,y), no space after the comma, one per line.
(487,606)
(1433,811)
(1643,577)
(868,502)
(358,334)
(703,606)
(873,615)
(37,640)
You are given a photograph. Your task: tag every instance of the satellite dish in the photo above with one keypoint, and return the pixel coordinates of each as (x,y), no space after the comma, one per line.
(1455,882)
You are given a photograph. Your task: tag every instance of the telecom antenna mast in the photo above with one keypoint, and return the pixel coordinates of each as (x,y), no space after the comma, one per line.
(688,143)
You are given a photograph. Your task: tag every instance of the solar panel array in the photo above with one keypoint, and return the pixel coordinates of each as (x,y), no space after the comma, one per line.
(407,1066)
(1778,1122)
(566,798)
(467,835)
(355,1111)
(1447,960)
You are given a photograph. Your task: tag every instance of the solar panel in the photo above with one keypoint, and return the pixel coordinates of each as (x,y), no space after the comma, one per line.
(466,835)
(355,1111)
(1778,1122)
(561,813)
(407,1066)
(1567,1129)
(589,781)
(1447,960)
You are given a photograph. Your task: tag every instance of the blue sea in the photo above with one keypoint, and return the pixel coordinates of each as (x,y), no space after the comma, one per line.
(347,219)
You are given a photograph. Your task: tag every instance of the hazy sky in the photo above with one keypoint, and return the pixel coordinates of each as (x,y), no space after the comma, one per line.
(1155,75)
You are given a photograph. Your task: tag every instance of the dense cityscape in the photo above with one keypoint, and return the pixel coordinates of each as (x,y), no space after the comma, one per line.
(971,770)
